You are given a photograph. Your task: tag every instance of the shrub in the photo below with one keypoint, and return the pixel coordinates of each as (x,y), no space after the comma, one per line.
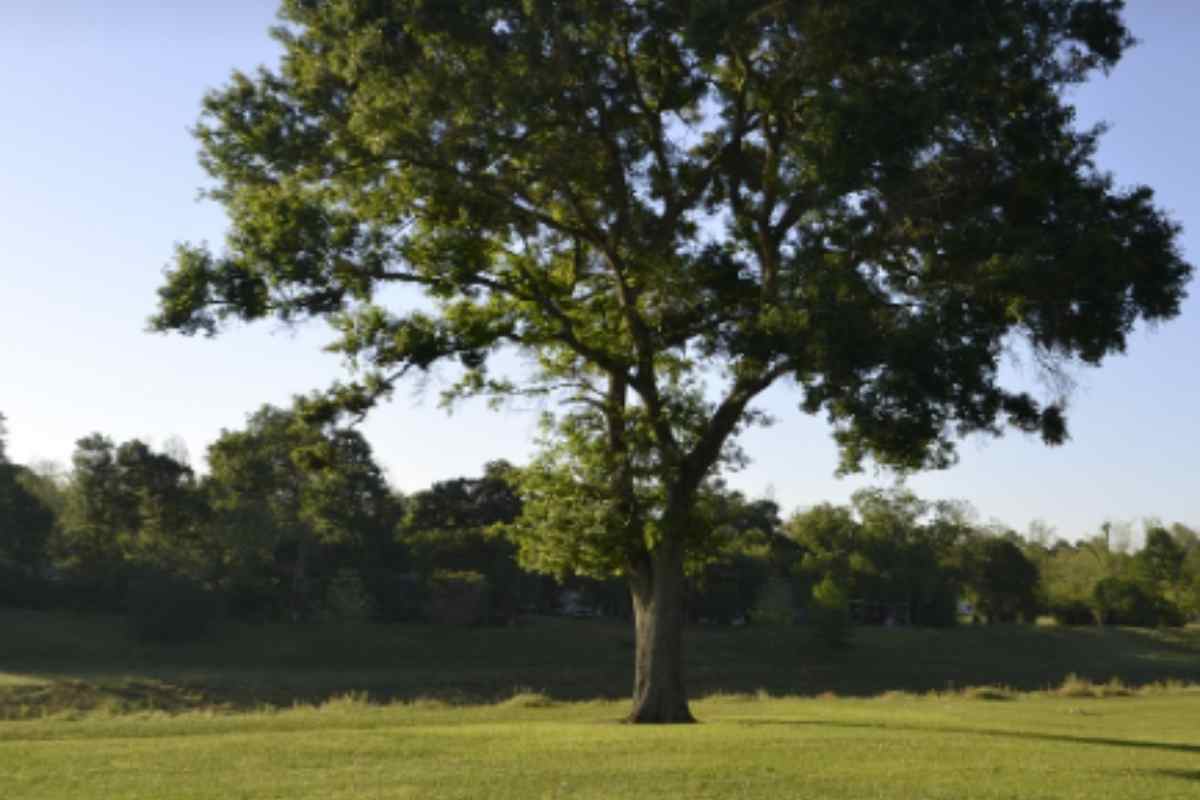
(346,596)
(994,693)
(527,698)
(1072,613)
(1125,602)
(169,609)
(458,597)
(774,605)
(831,612)
(1075,686)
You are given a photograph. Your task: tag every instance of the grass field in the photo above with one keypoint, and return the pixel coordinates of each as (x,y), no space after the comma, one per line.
(431,712)
(948,746)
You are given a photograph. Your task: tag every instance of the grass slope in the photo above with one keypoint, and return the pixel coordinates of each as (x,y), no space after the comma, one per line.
(59,662)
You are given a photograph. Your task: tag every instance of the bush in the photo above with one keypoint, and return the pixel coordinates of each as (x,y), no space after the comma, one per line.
(1072,612)
(774,606)
(830,612)
(1169,614)
(346,596)
(458,597)
(169,609)
(1125,602)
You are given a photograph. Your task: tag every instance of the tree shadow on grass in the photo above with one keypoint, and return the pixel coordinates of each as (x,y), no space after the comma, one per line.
(1181,774)
(1101,741)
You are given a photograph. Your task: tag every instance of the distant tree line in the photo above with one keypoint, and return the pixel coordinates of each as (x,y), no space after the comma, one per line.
(294,520)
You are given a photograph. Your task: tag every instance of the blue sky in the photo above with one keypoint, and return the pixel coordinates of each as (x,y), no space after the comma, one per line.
(98,179)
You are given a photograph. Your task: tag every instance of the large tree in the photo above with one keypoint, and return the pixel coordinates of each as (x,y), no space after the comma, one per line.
(670,205)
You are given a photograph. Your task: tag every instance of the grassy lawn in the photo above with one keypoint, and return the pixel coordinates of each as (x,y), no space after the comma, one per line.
(934,746)
(430,712)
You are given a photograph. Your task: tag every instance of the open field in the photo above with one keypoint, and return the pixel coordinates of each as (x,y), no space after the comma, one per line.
(436,712)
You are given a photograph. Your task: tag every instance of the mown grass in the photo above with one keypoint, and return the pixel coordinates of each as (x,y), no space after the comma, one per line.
(749,746)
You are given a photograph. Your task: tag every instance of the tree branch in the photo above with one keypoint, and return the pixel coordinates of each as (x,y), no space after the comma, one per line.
(724,421)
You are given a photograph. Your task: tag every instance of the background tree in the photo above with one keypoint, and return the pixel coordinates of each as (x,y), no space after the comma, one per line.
(293,500)
(128,508)
(833,551)
(1160,561)
(97,510)
(895,556)
(917,548)
(452,526)
(1187,538)
(1002,581)
(48,480)
(26,523)
(750,549)
(1190,593)
(1069,576)
(164,529)
(669,206)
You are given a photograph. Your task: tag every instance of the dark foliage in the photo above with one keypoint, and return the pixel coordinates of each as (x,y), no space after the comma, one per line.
(396,596)
(728,589)
(1072,613)
(21,588)
(459,598)
(1121,601)
(25,521)
(170,609)
(1004,581)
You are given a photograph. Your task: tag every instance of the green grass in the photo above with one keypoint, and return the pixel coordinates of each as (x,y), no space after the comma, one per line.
(932,746)
(532,711)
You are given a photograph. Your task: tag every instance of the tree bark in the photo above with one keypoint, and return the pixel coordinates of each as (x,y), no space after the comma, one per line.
(657,587)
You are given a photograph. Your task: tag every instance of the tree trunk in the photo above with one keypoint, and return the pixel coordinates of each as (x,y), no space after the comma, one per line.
(658,612)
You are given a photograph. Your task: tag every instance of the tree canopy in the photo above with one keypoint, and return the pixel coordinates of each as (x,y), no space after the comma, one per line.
(669,206)
(128,506)
(284,490)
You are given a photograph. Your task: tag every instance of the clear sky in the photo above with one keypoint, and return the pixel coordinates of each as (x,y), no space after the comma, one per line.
(98,179)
